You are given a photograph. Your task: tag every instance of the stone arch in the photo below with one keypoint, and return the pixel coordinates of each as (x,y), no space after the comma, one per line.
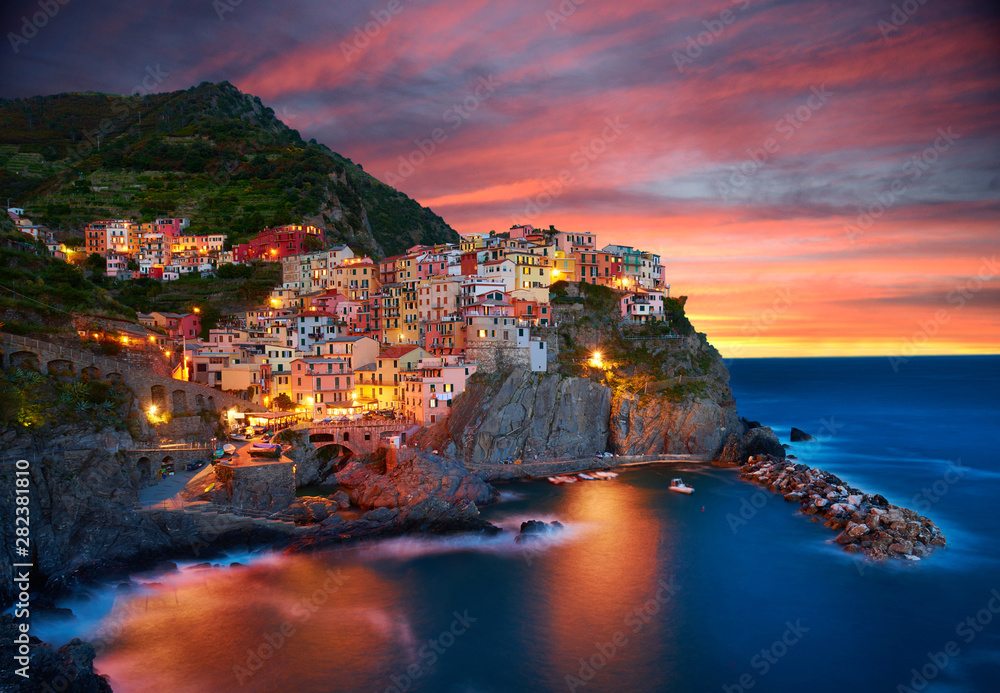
(28,360)
(167,463)
(115,378)
(178,401)
(61,368)
(199,401)
(347,436)
(211,403)
(158,394)
(145,467)
(91,373)
(322,438)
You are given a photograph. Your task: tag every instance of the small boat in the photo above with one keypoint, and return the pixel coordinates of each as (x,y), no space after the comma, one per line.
(680,486)
(265,450)
(218,453)
(555,480)
(587,477)
(228,449)
(565,479)
(605,475)
(238,436)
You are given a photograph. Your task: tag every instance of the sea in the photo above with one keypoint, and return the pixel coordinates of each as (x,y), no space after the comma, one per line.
(729,589)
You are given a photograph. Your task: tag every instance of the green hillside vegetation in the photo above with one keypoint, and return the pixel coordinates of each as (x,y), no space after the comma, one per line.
(38,293)
(210,153)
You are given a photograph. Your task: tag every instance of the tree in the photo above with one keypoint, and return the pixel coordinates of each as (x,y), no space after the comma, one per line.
(96,263)
(283,402)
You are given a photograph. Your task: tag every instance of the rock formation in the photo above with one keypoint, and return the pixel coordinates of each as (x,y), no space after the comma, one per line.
(800,436)
(744,442)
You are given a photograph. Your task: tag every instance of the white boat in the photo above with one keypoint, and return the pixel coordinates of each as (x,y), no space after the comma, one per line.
(680,486)
(605,475)
(238,437)
(565,479)
(555,480)
(228,448)
(587,477)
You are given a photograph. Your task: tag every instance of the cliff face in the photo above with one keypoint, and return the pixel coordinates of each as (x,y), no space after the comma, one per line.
(668,398)
(528,414)
(649,425)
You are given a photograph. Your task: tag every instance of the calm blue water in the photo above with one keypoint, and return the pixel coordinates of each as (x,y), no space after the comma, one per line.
(648,590)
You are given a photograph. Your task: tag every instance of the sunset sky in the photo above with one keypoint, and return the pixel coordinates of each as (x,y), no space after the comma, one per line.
(821,178)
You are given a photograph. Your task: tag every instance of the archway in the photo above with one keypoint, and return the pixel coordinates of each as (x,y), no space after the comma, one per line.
(145,467)
(158,394)
(211,403)
(167,464)
(347,436)
(25,359)
(115,378)
(199,402)
(61,369)
(179,401)
(91,373)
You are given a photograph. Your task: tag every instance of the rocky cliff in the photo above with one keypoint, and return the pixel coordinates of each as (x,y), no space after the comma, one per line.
(528,414)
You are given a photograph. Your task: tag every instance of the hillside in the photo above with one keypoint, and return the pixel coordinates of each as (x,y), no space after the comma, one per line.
(210,153)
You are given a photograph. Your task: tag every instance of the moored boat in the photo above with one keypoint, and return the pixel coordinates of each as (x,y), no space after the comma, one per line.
(680,486)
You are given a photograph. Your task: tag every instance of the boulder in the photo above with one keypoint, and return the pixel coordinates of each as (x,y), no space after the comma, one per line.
(342,500)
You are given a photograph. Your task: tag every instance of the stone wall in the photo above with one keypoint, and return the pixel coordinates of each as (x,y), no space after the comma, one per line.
(150,388)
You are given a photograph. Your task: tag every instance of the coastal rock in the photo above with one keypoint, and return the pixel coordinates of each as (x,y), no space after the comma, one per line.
(536,529)
(800,436)
(744,443)
(310,510)
(342,500)
(430,515)
(415,478)
(69,668)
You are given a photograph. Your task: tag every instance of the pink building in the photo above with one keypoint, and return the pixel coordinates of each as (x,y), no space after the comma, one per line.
(430,388)
(322,385)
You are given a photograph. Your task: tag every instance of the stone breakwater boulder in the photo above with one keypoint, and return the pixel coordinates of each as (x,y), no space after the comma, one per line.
(413,479)
(868,524)
(746,441)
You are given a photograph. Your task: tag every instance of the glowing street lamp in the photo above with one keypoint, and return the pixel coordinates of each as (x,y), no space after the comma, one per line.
(152,410)
(595,360)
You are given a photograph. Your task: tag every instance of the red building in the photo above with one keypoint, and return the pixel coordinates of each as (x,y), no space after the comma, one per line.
(282,241)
